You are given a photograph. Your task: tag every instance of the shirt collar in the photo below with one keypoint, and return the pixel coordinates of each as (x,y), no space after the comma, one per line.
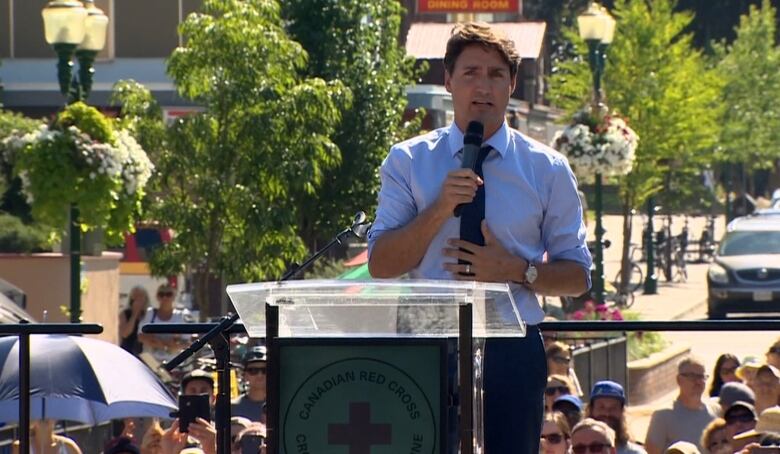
(499,140)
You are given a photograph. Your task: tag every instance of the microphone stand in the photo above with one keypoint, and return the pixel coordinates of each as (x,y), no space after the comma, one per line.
(218,338)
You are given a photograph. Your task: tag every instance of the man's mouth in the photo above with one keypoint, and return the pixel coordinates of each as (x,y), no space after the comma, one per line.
(482,103)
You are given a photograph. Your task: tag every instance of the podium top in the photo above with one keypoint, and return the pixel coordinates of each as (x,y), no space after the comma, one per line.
(377,308)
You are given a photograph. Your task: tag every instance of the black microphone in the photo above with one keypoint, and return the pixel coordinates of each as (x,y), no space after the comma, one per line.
(472,141)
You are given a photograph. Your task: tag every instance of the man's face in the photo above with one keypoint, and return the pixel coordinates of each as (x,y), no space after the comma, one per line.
(691,380)
(254,374)
(589,441)
(480,85)
(196,387)
(738,420)
(608,410)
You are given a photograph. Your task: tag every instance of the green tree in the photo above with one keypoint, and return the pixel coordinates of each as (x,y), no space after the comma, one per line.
(365,55)
(663,86)
(751,122)
(230,179)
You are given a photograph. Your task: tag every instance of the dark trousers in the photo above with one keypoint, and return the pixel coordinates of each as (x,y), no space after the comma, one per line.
(515,379)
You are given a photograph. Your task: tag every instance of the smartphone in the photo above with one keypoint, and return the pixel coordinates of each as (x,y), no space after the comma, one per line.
(193,407)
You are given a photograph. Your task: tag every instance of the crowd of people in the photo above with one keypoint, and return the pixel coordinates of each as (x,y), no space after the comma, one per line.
(739,412)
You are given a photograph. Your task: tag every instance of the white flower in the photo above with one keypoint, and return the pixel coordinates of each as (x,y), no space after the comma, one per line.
(610,153)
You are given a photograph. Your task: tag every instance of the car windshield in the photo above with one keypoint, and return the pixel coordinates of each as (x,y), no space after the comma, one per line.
(750,243)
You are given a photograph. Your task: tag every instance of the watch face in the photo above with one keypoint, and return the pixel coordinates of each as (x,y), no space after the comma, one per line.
(530,274)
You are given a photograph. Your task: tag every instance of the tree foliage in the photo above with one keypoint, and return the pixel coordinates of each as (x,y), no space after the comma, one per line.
(232,177)
(751,121)
(355,42)
(657,81)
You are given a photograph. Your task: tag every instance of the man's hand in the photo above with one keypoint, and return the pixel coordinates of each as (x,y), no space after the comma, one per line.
(459,187)
(205,433)
(489,263)
(172,440)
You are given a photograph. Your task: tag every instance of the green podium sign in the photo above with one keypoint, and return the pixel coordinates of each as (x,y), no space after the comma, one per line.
(361,396)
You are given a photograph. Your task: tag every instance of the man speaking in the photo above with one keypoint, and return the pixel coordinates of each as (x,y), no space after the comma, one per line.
(518,201)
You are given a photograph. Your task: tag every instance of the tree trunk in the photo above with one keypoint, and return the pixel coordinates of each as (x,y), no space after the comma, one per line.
(208,295)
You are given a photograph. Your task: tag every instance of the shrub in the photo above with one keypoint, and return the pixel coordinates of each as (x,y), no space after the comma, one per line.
(15,236)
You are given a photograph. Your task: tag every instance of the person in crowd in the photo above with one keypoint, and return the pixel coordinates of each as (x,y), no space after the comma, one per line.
(151,443)
(237,424)
(251,404)
(714,439)
(164,346)
(747,370)
(689,414)
(558,357)
(556,434)
(766,386)
(608,405)
(197,382)
(733,392)
(768,422)
(592,436)
(201,434)
(740,418)
(773,355)
(252,440)
(525,204)
(571,407)
(682,447)
(43,440)
(725,372)
(557,385)
(121,445)
(130,319)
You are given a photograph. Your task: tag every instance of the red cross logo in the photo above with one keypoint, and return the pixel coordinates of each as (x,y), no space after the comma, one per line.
(359,434)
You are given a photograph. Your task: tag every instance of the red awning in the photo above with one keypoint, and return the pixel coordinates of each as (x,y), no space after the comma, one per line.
(429,40)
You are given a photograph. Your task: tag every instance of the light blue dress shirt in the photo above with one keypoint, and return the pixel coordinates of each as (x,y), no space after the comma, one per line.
(531,202)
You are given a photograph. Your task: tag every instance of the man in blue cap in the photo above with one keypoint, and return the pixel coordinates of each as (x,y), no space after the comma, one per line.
(571,407)
(608,404)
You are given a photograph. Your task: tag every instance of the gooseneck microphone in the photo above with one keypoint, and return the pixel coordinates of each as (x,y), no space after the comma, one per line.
(472,141)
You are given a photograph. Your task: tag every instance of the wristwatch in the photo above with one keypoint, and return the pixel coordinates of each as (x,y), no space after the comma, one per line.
(530,274)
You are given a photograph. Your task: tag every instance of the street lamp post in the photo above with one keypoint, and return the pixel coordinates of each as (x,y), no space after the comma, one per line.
(75,28)
(597,28)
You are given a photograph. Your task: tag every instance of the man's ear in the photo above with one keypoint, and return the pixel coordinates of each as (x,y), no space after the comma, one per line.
(447,78)
(514,85)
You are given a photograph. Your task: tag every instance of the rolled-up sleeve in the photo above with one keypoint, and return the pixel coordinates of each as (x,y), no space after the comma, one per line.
(563,231)
(396,206)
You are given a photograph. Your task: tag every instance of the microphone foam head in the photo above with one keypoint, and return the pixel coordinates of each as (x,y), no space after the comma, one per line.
(474,132)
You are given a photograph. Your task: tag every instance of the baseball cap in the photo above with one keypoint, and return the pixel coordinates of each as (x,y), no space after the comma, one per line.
(608,388)
(682,447)
(570,398)
(196,374)
(768,421)
(734,391)
(750,362)
(770,368)
(258,353)
(740,404)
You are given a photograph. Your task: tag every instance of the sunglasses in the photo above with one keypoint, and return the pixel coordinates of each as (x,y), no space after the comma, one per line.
(254,370)
(561,359)
(694,376)
(553,439)
(740,417)
(595,448)
(551,390)
(728,370)
(164,294)
(774,350)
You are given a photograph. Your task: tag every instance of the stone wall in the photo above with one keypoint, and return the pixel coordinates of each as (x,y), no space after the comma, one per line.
(652,377)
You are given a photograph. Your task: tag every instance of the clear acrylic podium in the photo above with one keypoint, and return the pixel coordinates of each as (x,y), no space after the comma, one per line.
(369,366)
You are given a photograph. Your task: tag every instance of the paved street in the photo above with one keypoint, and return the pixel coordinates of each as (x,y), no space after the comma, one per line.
(678,301)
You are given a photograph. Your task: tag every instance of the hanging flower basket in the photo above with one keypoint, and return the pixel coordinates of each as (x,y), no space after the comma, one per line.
(606,145)
(80,159)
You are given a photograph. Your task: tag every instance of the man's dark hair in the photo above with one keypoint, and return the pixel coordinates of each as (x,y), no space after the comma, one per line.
(467,34)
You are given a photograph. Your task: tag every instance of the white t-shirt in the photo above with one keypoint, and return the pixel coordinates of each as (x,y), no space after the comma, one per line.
(152,317)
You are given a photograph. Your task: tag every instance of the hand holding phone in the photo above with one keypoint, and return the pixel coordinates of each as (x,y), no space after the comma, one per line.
(192,407)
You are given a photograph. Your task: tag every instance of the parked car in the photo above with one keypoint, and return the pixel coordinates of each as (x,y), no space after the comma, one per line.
(745,275)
